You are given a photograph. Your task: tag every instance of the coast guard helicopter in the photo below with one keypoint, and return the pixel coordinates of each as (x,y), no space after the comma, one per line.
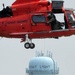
(27,19)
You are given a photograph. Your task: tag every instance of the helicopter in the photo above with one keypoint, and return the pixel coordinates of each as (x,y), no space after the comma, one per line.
(27,19)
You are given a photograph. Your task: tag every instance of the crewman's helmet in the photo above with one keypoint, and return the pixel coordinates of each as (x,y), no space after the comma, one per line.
(49,16)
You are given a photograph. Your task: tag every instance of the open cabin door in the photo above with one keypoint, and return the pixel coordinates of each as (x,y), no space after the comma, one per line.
(39,22)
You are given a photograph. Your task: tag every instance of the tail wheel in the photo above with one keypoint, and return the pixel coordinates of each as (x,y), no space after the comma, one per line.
(27,45)
(32,45)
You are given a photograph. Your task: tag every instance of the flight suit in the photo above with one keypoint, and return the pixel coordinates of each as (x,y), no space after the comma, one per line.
(55,25)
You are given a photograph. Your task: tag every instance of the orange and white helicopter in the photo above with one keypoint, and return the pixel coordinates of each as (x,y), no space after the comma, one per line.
(27,19)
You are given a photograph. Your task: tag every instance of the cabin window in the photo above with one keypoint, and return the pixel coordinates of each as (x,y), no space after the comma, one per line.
(38,18)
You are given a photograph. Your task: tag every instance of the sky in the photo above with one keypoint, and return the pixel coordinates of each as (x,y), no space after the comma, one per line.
(14,58)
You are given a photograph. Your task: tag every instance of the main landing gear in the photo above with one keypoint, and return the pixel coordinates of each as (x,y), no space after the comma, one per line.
(29,43)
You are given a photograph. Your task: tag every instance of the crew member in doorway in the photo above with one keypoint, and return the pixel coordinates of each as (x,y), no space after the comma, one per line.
(6,12)
(55,25)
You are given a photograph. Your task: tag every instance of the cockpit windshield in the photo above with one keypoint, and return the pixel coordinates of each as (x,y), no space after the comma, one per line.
(74,12)
(70,16)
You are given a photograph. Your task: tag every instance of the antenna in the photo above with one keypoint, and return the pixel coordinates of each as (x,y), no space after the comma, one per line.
(49,54)
(3,5)
(42,54)
(37,53)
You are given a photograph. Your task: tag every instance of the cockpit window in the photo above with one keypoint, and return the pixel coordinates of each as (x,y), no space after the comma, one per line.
(74,12)
(38,18)
(70,16)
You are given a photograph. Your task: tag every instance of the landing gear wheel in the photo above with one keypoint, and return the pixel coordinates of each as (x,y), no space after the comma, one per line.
(32,45)
(27,45)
